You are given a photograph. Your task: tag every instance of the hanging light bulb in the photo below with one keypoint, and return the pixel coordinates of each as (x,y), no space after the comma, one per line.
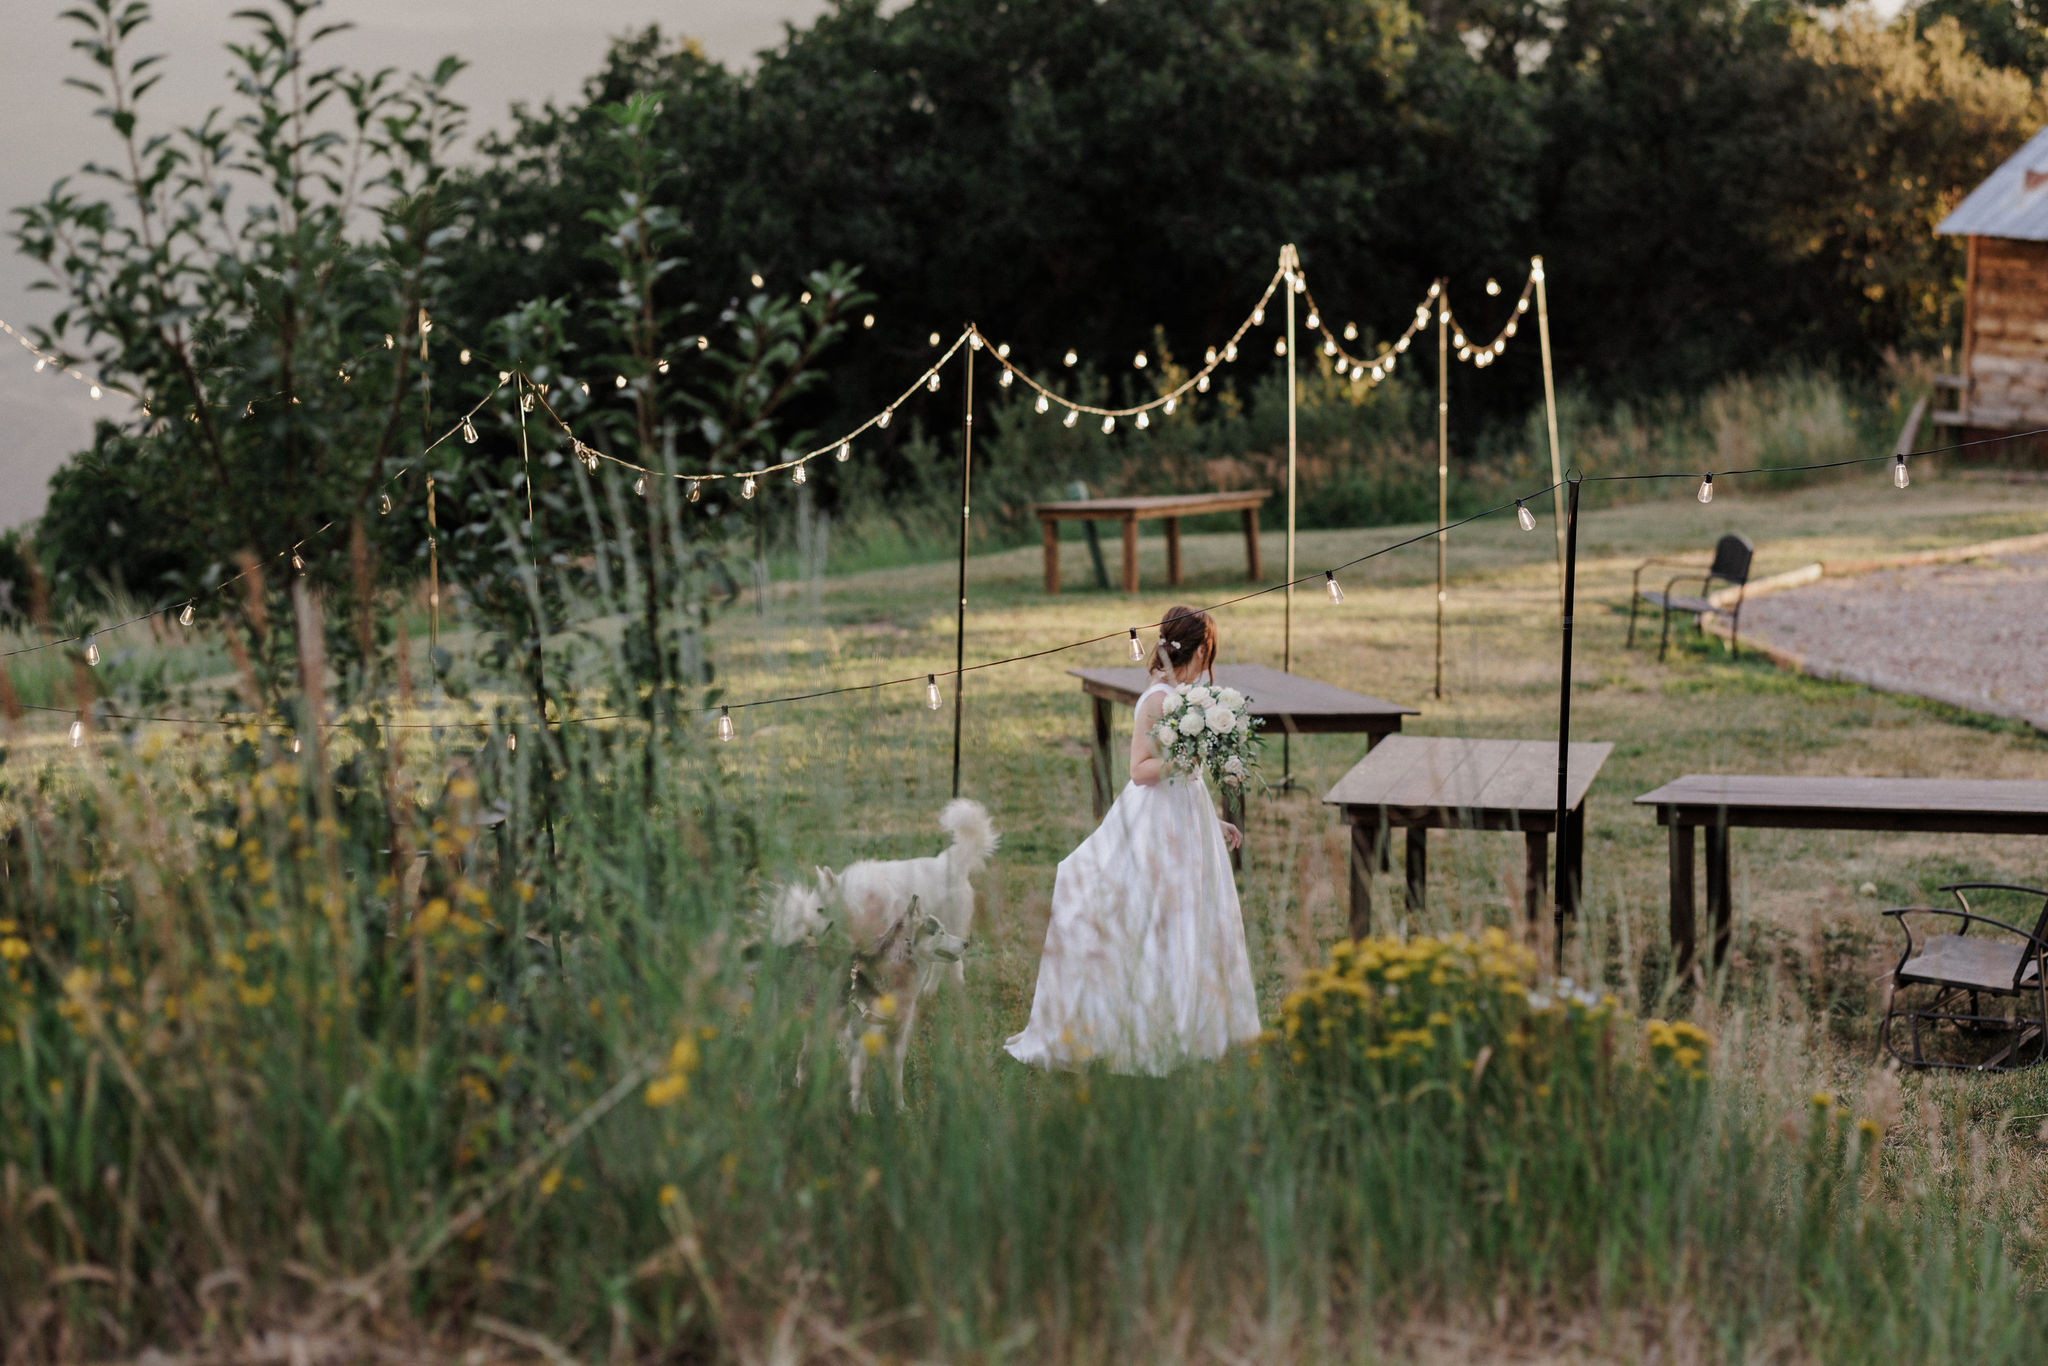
(77,734)
(1358,373)
(883,420)
(1201,384)
(619,382)
(1004,350)
(1434,289)
(1378,374)
(661,366)
(932,700)
(845,450)
(1707,488)
(526,402)
(1900,479)
(1524,516)
(295,743)
(1509,330)
(1458,338)
(1350,331)
(1492,286)
(725,723)
(185,617)
(1144,421)
(1073,416)
(868,321)
(756,280)
(798,475)
(1329,348)
(1108,425)
(704,343)
(1230,351)
(1301,284)
(1169,405)
(1137,648)
(933,383)
(1072,358)
(298,563)
(1401,345)
(1008,377)
(747,488)
(1332,587)
(512,742)
(41,361)
(1138,361)
(1315,322)
(1258,317)
(1387,361)
(384,504)
(1043,403)
(96,392)
(696,489)
(465,355)
(1209,356)
(92,650)
(1279,346)
(640,486)
(1522,305)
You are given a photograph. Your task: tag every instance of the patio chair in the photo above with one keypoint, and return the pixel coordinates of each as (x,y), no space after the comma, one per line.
(1942,983)
(1732,555)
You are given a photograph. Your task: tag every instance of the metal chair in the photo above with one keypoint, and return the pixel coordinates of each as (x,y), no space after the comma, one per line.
(1934,977)
(1732,555)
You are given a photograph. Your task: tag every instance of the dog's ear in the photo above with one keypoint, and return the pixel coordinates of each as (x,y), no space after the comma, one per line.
(827,879)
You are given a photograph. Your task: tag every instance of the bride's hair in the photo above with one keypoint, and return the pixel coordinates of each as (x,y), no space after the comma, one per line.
(1185,634)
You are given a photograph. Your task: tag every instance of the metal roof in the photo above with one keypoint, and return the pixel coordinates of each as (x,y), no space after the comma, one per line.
(2012,203)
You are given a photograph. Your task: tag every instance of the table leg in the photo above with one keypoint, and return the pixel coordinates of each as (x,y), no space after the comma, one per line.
(1535,871)
(1418,865)
(1574,850)
(1098,757)
(1052,554)
(1366,842)
(1720,903)
(1173,551)
(1233,811)
(1253,569)
(1130,554)
(1682,943)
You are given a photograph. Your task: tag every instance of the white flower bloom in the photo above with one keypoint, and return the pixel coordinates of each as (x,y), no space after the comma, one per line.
(1199,696)
(1221,719)
(1244,724)
(1191,724)
(1233,765)
(1230,697)
(1175,700)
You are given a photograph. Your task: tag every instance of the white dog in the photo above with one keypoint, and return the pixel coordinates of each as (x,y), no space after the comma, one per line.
(906,920)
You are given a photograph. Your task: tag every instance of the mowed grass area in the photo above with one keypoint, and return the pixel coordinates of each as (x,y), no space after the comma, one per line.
(285,1174)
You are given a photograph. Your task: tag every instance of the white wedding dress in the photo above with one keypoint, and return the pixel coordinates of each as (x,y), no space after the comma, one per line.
(1144,963)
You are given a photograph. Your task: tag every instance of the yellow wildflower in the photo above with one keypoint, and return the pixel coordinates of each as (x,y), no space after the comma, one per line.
(550,1181)
(669,1195)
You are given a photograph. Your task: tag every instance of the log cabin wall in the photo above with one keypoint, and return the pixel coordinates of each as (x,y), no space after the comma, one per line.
(2005,338)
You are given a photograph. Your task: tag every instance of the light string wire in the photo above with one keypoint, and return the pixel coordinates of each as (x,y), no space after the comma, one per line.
(1376,369)
(1115,634)
(291,550)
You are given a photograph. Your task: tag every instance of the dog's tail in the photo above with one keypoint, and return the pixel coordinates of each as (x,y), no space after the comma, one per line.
(974,837)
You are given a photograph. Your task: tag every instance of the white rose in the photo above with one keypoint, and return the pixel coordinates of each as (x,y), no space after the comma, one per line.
(1174,701)
(1191,724)
(1199,696)
(1244,725)
(1231,698)
(1233,765)
(1221,719)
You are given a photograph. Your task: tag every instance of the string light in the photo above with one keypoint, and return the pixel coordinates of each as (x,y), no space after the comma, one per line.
(1492,286)
(1315,321)
(747,488)
(1279,346)
(756,280)
(1333,588)
(298,563)
(798,475)
(1042,404)
(933,383)
(77,734)
(1137,647)
(696,489)
(465,355)
(640,484)
(1230,352)
(868,321)
(1258,317)
(1008,377)
(1004,351)
(295,743)
(1350,331)
(845,450)
(725,723)
(1138,361)
(512,742)
(932,700)
(1073,416)
(883,420)
(618,383)
(1108,425)
(1707,488)
(1524,516)
(1202,384)
(1900,479)
(974,341)
(92,650)
(1144,421)
(185,617)
(1072,358)
(936,339)
(383,504)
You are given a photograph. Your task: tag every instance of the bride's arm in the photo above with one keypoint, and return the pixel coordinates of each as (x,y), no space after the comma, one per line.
(1147,767)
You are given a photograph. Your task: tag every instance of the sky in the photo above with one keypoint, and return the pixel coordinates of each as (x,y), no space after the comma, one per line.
(528,50)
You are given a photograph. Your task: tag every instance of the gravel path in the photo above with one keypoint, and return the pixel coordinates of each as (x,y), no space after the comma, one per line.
(1971,635)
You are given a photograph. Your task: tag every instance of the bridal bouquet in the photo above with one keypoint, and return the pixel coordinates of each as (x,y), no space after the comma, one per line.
(1206,729)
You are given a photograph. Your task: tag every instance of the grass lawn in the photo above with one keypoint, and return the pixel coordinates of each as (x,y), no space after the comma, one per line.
(1229,1213)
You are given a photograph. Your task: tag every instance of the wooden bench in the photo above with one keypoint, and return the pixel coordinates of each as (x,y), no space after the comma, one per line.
(1424,782)
(1131,511)
(1287,703)
(1715,802)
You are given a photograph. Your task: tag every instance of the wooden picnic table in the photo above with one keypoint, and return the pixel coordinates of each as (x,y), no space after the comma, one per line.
(1286,702)
(1130,511)
(1715,802)
(1426,782)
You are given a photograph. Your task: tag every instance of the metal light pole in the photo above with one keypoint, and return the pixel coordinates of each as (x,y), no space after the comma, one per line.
(966,502)
(1443,462)
(1550,411)
(1567,852)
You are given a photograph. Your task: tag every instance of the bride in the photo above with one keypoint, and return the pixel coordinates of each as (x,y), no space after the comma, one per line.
(1144,962)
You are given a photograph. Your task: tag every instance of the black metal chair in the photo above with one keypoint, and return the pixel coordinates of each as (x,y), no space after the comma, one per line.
(1936,977)
(1732,555)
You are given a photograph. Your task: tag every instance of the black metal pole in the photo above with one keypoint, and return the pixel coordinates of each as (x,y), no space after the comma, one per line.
(1566,854)
(960,622)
